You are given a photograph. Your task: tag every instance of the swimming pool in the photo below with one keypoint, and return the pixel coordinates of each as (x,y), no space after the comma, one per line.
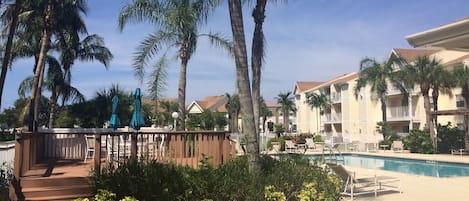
(408,166)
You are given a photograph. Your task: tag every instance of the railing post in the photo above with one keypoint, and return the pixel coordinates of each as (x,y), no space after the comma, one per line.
(18,156)
(133,146)
(97,153)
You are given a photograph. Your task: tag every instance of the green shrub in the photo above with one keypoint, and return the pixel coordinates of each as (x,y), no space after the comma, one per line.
(286,176)
(318,138)
(105,195)
(449,138)
(419,141)
(280,140)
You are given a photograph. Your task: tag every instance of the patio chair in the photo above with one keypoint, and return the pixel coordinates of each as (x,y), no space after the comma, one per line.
(310,143)
(290,146)
(359,186)
(371,147)
(397,146)
(89,141)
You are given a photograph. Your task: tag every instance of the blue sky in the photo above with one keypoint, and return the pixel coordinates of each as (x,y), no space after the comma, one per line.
(307,40)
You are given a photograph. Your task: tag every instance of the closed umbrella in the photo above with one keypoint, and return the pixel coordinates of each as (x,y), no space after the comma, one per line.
(137,119)
(114,122)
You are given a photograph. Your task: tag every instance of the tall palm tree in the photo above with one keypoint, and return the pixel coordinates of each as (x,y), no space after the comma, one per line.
(423,72)
(461,75)
(7,53)
(286,105)
(320,102)
(378,75)
(442,82)
(243,84)
(177,23)
(233,107)
(257,51)
(52,17)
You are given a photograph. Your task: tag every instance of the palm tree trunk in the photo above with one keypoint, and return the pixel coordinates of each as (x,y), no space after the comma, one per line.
(256,59)
(242,79)
(182,87)
(466,117)
(383,108)
(428,118)
(53,106)
(7,55)
(38,77)
(285,120)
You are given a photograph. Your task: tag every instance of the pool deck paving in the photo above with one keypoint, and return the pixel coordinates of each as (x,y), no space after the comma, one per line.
(418,187)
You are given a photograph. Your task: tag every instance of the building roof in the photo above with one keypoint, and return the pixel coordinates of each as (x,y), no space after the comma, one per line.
(212,103)
(272,104)
(302,86)
(412,54)
(338,80)
(452,36)
(457,61)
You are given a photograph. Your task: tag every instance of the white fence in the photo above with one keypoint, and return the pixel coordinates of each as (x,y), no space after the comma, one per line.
(7,151)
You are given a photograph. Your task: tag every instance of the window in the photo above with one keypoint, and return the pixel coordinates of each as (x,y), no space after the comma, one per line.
(460,102)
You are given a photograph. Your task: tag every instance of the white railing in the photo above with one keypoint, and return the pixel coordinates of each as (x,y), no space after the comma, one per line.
(398,112)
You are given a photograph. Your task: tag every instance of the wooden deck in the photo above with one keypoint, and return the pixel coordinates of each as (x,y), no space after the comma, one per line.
(49,165)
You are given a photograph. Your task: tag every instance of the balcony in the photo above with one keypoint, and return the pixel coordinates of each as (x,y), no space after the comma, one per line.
(336,98)
(398,113)
(332,118)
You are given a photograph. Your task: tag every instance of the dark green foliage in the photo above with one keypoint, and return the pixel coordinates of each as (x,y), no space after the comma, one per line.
(389,135)
(450,137)
(419,141)
(230,181)
(207,120)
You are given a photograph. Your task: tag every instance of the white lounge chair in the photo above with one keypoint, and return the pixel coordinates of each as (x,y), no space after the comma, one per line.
(358,186)
(310,143)
(290,146)
(397,146)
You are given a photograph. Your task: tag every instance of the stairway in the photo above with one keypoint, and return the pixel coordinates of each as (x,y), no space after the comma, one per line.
(57,180)
(51,188)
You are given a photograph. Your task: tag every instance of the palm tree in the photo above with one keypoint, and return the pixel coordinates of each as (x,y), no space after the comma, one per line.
(7,54)
(424,72)
(442,82)
(51,17)
(233,107)
(320,102)
(177,24)
(243,84)
(286,105)
(264,112)
(461,76)
(378,75)
(257,51)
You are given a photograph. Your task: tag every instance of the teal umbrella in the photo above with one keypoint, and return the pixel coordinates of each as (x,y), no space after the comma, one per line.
(137,118)
(114,121)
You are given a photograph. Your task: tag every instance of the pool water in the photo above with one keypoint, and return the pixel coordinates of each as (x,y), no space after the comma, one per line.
(408,166)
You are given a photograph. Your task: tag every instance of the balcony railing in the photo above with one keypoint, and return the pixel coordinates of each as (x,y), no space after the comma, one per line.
(332,118)
(180,147)
(336,98)
(398,112)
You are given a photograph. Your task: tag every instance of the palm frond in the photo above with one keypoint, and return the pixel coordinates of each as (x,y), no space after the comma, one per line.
(219,40)
(141,11)
(25,87)
(148,48)
(157,79)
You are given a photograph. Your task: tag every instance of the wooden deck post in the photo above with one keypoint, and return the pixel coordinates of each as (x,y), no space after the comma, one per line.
(97,153)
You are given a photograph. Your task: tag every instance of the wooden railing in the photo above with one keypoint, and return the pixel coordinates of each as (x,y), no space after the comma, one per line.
(117,147)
